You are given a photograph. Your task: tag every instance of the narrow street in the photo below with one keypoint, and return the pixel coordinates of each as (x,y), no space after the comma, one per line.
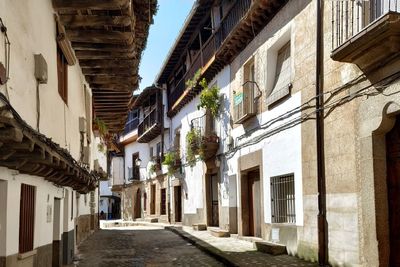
(141,246)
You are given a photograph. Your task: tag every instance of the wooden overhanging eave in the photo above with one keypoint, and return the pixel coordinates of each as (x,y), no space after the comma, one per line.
(257,17)
(108,37)
(29,152)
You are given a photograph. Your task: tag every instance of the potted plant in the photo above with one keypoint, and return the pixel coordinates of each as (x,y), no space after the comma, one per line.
(171,159)
(193,143)
(209,98)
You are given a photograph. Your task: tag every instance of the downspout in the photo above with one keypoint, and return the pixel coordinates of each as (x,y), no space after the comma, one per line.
(322,223)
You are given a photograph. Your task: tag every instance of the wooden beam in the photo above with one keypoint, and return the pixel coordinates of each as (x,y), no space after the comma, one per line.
(112,87)
(87,54)
(113,79)
(72,5)
(109,71)
(11,134)
(103,63)
(100,36)
(72,21)
(103,47)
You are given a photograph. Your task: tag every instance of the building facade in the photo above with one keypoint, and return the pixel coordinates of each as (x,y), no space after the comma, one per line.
(50,162)
(303,150)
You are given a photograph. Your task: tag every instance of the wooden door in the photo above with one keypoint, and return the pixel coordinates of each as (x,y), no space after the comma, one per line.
(153,199)
(254,202)
(178,203)
(138,206)
(393,189)
(214,200)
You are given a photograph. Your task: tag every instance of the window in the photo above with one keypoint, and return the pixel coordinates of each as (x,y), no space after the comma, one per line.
(151,152)
(283,199)
(163,208)
(282,78)
(26,218)
(158,149)
(135,169)
(245,105)
(62,74)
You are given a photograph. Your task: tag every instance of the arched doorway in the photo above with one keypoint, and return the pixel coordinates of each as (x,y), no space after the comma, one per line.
(393,191)
(138,206)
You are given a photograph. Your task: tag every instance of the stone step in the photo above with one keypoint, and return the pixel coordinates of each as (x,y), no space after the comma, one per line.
(270,248)
(151,220)
(199,227)
(252,239)
(219,232)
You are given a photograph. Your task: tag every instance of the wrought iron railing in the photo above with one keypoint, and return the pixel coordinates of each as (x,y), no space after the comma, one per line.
(211,46)
(133,173)
(149,120)
(244,103)
(352,16)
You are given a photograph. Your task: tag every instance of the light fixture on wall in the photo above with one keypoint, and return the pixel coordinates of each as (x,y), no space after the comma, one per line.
(138,162)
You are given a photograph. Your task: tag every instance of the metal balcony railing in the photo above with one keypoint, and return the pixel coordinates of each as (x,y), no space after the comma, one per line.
(133,173)
(152,118)
(211,46)
(352,16)
(245,103)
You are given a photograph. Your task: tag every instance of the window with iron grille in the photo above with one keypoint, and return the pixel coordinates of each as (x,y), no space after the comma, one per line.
(26,218)
(283,199)
(163,201)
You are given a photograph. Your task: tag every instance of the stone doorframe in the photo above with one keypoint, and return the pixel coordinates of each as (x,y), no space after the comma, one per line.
(373,218)
(249,162)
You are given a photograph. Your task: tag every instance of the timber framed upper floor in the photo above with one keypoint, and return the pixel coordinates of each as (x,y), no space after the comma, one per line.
(213,35)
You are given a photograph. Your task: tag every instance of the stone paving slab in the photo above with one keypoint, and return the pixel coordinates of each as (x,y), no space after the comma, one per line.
(231,251)
(140,246)
(235,252)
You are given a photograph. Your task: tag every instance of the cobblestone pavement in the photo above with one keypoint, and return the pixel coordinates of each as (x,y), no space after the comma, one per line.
(140,246)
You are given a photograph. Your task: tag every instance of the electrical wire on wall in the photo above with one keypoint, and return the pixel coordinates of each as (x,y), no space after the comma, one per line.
(7,54)
(377,88)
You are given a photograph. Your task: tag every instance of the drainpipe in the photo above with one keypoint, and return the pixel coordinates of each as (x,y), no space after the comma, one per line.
(322,223)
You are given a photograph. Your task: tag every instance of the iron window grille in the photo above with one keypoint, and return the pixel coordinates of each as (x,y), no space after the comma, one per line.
(283,199)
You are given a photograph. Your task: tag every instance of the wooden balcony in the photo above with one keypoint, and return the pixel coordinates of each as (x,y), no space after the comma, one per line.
(150,127)
(244,21)
(371,42)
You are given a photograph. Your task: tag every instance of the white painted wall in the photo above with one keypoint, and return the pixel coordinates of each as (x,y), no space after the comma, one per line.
(45,194)
(117,170)
(281,155)
(31,29)
(105,190)
(192,183)
(144,155)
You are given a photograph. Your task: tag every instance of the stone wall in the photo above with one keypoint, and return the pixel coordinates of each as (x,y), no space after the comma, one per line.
(82,228)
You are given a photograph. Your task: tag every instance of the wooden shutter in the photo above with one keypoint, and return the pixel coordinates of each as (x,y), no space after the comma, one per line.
(26,218)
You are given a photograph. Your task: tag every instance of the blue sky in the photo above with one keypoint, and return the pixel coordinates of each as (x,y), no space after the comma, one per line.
(167,24)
